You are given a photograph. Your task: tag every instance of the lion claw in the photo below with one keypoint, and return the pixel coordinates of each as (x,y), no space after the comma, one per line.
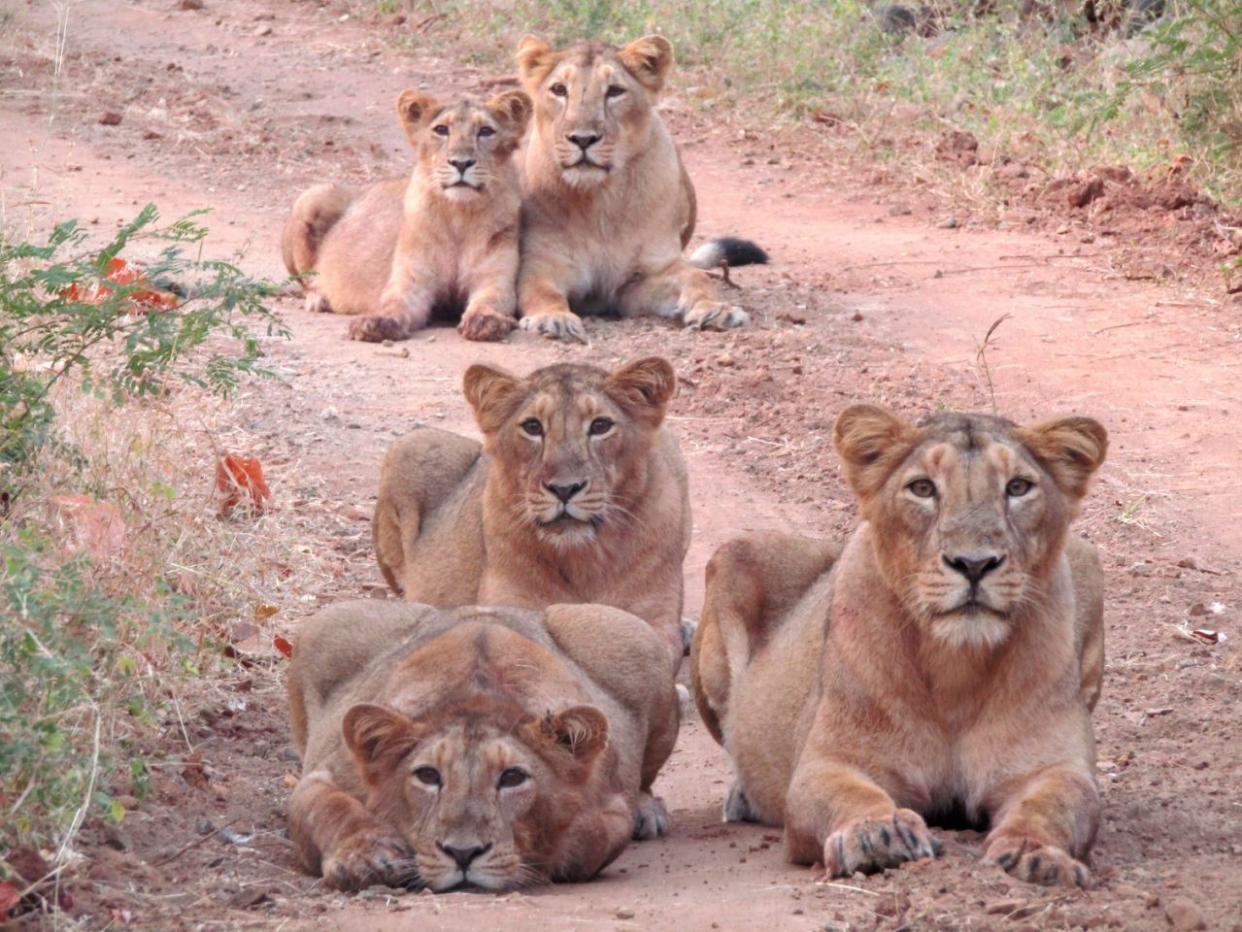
(1033,862)
(316,303)
(871,845)
(368,858)
(716,316)
(562,326)
(651,818)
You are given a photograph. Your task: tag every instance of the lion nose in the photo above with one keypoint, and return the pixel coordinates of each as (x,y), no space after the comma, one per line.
(465,856)
(565,492)
(973,566)
(461,164)
(584,141)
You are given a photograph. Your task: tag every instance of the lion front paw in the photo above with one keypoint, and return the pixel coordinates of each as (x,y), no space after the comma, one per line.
(562,325)
(367,857)
(1034,862)
(713,315)
(651,819)
(376,329)
(316,303)
(871,845)
(484,325)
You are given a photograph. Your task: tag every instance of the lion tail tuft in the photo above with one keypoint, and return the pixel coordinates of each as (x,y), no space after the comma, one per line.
(728,252)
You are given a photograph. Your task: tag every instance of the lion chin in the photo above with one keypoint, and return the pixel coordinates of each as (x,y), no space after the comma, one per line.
(971,626)
(567,531)
(583,175)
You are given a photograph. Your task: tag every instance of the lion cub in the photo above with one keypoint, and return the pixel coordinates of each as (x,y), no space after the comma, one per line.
(444,239)
(945,661)
(488,747)
(577,494)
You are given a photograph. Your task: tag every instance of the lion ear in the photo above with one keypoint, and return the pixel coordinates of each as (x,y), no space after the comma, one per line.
(512,109)
(377,738)
(581,730)
(645,383)
(413,109)
(534,60)
(871,441)
(492,394)
(1071,449)
(648,59)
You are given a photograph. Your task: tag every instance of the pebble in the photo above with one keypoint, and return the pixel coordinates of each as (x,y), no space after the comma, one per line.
(948,223)
(263,30)
(1184,916)
(190,5)
(110,118)
(624,913)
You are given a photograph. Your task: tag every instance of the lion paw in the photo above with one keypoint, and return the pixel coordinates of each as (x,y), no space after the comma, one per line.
(316,303)
(713,315)
(685,702)
(376,329)
(688,629)
(1034,862)
(556,326)
(737,805)
(370,856)
(871,845)
(651,818)
(484,324)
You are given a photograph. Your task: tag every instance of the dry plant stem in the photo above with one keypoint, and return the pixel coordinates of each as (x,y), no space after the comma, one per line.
(981,357)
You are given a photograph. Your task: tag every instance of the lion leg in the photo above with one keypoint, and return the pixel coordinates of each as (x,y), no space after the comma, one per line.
(405,305)
(313,215)
(1046,826)
(491,312)
(835,813)
(1089,611)
(682,292)
(545,309)
(752,583)
(335,836)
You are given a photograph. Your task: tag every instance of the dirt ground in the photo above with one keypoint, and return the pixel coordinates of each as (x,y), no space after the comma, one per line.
(871,295)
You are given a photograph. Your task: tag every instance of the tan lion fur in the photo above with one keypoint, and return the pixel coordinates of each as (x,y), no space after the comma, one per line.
(604,225)
(445,238)
(495,747)
(857,693)
(459,523)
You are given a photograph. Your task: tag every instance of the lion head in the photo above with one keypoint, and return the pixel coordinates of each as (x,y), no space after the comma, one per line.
(461,146)
(593,103)
(969,512)
(488,796)
(572,442)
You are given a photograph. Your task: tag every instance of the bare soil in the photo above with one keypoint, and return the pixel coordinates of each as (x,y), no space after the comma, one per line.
(871,296)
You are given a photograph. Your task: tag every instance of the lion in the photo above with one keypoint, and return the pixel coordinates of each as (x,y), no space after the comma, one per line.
(577,494)
(492,747)
(445,240)
(944,662)
(607,206)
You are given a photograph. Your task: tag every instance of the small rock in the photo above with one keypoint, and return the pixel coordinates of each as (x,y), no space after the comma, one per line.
(624,913)
(1080,195)
(263,30)
(857,316)
(724,359)
(1184,916)
(190,5)
(899,210)
(948,223)
(110,118)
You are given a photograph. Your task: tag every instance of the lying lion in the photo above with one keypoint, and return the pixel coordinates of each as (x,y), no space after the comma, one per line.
(577,494)
(607,206)
(492,747)
(945,661)
(444,239)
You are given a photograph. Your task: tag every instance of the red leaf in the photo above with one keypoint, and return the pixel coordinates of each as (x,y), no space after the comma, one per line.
(283,645)
(10,896)
(239,478)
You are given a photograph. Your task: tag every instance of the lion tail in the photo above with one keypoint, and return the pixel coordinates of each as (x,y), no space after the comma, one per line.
(313,215)
(728,252)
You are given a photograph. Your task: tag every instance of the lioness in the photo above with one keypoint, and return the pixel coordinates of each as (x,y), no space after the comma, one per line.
(493,747)
(946,661)
(577,494)
(443,239)
(607,206)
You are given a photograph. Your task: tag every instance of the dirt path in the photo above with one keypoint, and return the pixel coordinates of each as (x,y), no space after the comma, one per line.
(863,301)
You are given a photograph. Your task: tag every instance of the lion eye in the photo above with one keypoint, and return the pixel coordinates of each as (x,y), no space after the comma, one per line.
(428,776)
(512,777)
(559,90)
(441,129)
(532,427)
(485,131)
(1017,487)
(601,425)
(922,488)
(615,90)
